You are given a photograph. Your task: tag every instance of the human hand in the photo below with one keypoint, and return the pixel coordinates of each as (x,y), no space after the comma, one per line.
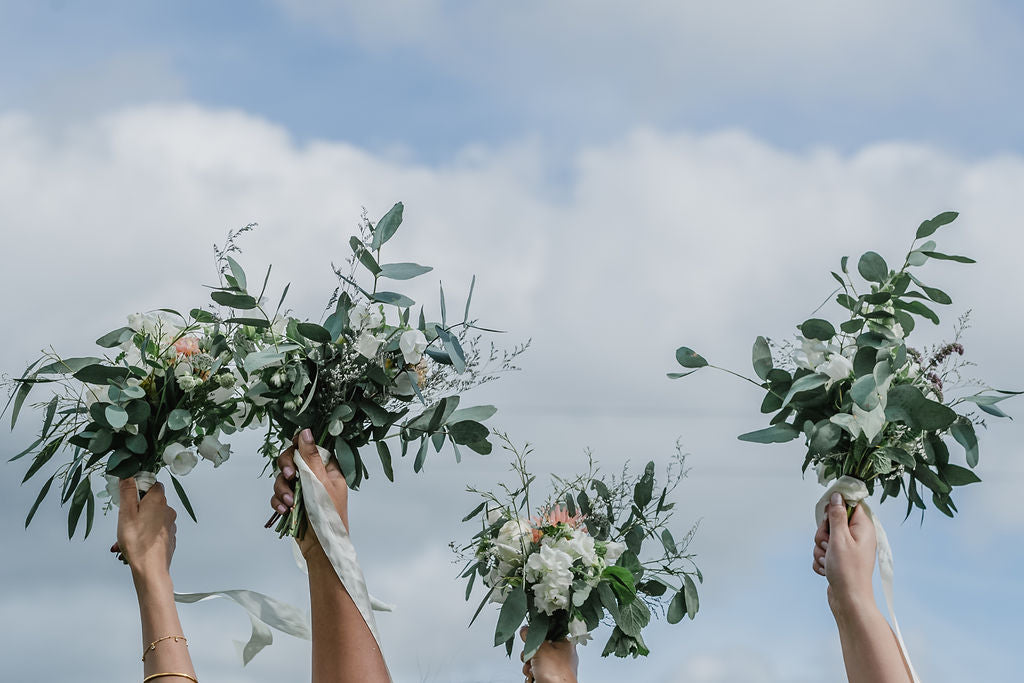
(552,663)
(330,476)
(844,553)
(145,530)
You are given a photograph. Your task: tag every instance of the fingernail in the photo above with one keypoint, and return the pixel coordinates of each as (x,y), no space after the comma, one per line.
(282,509)
(837,499)
(288,499)
(824,546)
(288,472)
(307,436)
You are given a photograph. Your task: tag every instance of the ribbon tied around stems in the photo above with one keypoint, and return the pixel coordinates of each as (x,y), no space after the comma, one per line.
(855,493)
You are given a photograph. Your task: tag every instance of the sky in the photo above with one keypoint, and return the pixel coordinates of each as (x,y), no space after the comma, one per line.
(622,179)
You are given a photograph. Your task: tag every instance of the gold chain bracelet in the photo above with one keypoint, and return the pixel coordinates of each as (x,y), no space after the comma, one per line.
(152,646)
(152,676)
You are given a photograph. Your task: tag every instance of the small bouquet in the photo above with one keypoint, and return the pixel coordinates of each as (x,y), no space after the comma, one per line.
(164,393)
(354,378)
(868,405)
(582,558)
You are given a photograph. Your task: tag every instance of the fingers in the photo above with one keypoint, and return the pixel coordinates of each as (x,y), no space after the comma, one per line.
(286,463)
(821,534)
(860,523)
(837,521)
(129,493)
(819,558)
(522,633)
(284,495)
(309,453)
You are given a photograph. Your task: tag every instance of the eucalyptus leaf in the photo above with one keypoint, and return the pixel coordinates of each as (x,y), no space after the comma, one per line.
(403,271)
(689,358)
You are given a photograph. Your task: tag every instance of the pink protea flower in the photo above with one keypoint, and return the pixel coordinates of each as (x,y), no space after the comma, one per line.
(559,515)
(187,346)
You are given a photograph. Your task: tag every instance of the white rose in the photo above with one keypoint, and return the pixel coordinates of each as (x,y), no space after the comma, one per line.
(179,459)
(368,344)
(365,318)
(413,343)
(613,551)
(578,632)
(214,451)
(837,367)
(513,537)
(494,514)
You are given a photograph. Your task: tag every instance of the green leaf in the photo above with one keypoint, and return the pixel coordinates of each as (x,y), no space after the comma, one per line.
(43,457)
(963,431)
(258,323)
(178,419)
(386,226)
(421,455)
(403,271)
(314,332)
(236,271)
(931,480)
(202,316)
(958,476)
(872,267)
(825,438)
(805,383)
(936,295)
(115,338)
(82,492)
(185,502)
(453,347)
(116,416)
(900,456)
(469,298)
(816,328)
(476,511)
(917,308)
(513,611)
(137,444)
(39,499)
(467,432)
(536,635)
(475,413)
(101,374)
(346,459)
(385,460)
(906,403)
(241,302)
(762,358)
(67,366)
(692,601)
(779,433)
(668,541)
(393,299)
(677,608)
(644,489)
(689,358)
(633,617)
(929,226)
(364,255)
(679,375)
(948,257)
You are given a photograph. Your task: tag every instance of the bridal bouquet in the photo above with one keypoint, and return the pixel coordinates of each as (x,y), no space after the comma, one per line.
(868,405)
(356,378)
(159,398)
(583,559)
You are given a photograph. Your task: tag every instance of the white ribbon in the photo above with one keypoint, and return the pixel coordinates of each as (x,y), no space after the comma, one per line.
(855,492)
(337,545)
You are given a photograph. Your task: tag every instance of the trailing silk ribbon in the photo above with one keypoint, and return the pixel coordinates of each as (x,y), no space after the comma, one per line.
(266,612)
(855,493)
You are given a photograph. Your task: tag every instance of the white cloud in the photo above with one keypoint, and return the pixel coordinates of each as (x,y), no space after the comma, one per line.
(657,240)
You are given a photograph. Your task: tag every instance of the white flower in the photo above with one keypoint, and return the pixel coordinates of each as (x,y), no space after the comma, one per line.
(279,326)
(823,478)
(413,343)
(581,546)
(188,382)
(214,451)
(403,385)
(179,459)
(870,422)
(837,367)
(368,344)
(548,560)
(365,318)
(613,551)
(578,632)
(549,571)
(811,353)
(513,537)
(113,489)
(494,514)
(94,394)
(135,321)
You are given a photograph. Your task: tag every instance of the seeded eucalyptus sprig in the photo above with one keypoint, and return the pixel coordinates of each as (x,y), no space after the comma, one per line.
(867,404)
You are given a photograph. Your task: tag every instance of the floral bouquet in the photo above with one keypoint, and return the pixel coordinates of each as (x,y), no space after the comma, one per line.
(868,405)
(355,378)
(163,393)
(582,558)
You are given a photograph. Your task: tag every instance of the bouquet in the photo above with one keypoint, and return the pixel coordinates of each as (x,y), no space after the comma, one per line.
(583,559)
(357,377)
(868,405)
(163,393)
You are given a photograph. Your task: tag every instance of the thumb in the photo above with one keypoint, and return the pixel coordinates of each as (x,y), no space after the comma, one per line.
(837,520)
(129,493)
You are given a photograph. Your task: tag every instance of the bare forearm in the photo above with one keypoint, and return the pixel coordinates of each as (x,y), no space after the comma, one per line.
(870,649)
(159,620)
(344,649)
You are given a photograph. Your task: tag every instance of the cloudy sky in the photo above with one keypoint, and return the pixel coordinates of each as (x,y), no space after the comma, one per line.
(623,178)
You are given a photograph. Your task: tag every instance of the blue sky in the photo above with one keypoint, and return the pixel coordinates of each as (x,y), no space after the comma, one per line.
(624,179)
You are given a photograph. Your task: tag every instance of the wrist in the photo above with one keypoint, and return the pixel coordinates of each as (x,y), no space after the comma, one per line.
(153,582)
(852,606)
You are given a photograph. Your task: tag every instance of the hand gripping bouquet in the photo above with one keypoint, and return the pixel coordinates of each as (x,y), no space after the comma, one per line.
(582,557)
(870,407)
(159,398)
(368,376)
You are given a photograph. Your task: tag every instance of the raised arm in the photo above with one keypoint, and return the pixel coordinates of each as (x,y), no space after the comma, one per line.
(552,663)
(344,649)
(844,553)
(146,539)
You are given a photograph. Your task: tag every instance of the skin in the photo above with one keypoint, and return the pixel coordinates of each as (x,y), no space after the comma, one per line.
(844,553)
(344,649)
(553,662)
(146,538)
